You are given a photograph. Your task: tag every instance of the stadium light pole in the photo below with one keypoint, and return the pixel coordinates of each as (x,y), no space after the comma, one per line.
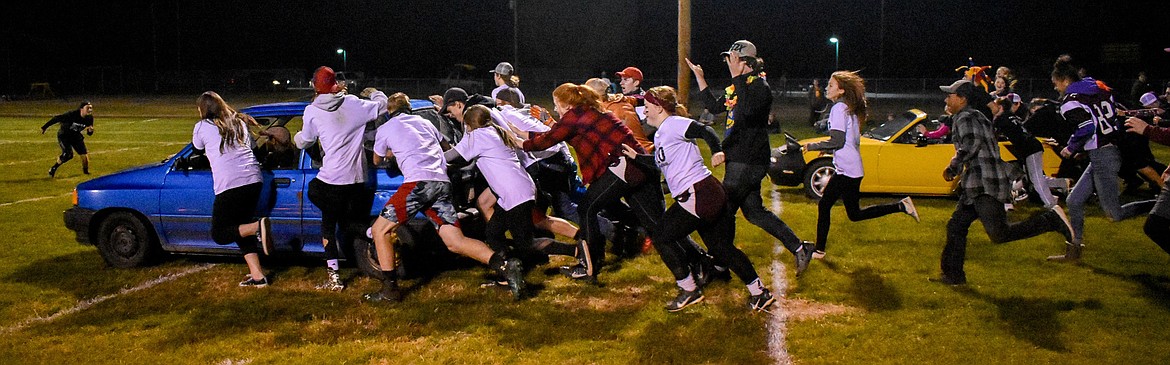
(836,53)
(344,61)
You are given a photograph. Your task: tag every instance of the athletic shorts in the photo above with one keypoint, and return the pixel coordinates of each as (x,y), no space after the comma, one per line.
(75,143)
(430,197)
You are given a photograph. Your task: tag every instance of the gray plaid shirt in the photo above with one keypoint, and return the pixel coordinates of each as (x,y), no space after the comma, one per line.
(977,158)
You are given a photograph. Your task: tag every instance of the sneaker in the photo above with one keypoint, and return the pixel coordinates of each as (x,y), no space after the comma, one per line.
(819,254)
(762,301)
(948,280)
(1064,229)
(578,272)
(53,170)
(265,233)
(684,299)
(803,256)
(332,281)
(385,296)
(584,259)
(85,170)
(515,274)
(249,281)
(908,207)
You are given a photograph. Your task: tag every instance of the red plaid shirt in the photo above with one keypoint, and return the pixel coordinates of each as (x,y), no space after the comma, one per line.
(596,137)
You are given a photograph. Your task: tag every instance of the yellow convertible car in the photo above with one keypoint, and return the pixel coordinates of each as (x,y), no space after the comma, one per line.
(898,160)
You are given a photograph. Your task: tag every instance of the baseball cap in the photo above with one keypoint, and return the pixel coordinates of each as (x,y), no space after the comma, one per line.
(452,95)
(504,69)
(1148,99)
(325,81)
(960,87)
(741,48)
(631,72)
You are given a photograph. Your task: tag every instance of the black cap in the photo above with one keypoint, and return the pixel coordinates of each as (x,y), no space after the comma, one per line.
(452,95)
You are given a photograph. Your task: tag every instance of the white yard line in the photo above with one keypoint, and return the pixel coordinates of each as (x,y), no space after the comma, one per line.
(34,199)
(778,318)
(50,159)
(85,304)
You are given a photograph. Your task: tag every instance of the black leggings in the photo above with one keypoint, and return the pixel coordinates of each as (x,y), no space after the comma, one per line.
(68,144)
(847,189)
(231,209)
(517,220)
(345,211)
(716,226)
(1158,229)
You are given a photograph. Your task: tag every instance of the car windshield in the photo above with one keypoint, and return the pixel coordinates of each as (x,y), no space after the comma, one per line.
(886,130)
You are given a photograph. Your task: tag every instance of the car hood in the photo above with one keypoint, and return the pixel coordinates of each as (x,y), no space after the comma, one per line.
(138,177)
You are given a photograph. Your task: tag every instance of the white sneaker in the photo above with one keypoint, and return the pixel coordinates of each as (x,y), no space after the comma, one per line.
(908,207)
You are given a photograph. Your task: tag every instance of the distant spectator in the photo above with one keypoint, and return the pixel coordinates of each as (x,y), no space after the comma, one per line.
(1140,86)
(816,102)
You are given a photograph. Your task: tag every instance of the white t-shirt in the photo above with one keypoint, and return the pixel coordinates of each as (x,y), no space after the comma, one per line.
(523,120)
(236,166)
(677,156)
(499,165)
(847,159)
(415,143)
(501,87)
(526,158)
(338,122)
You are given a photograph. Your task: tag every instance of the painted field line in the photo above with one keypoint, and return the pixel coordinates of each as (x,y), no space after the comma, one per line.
(140,121)
(778,317)
(34,199)
(50,159)
(85,304)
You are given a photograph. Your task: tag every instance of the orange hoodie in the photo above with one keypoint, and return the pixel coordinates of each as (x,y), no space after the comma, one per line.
(623,107)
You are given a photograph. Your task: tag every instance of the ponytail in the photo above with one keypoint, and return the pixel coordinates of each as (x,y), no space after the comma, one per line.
(575,95)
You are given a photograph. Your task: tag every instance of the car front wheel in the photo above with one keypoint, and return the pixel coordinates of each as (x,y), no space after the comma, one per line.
(816,177)
(126,241)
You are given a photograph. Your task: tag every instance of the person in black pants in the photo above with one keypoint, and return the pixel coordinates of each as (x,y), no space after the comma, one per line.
(69,137)
(224,138)
(748,102)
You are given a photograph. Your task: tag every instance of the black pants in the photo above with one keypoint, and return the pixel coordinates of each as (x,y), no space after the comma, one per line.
(716,226)
(743,193)
(345,211)
(69,143)
(989,211)
(645,200)
(517,220)
(1158,229)
(847,189)
(232,208)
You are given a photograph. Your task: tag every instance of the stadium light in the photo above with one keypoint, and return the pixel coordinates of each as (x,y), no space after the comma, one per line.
(836,53)
(344,61)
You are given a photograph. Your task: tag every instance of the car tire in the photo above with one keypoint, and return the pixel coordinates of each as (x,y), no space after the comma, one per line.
(366,254)
(124,240)
(816,176)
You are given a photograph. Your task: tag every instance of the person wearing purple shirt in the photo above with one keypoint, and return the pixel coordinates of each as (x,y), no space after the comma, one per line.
(235,174)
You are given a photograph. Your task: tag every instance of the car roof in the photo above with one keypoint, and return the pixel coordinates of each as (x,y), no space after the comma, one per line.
(297,108)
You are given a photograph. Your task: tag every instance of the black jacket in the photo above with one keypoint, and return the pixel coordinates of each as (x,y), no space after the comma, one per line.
(72,123)
(745,137)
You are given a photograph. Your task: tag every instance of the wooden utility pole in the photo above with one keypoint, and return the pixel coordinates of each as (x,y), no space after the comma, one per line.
(684,50)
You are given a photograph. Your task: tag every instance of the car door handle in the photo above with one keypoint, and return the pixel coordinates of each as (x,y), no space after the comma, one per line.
(283,182)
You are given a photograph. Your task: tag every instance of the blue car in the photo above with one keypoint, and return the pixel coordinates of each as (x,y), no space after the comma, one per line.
(136,215)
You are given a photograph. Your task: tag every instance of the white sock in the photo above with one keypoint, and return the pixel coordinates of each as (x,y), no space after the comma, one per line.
(332,264)
(688,283)
(756,287)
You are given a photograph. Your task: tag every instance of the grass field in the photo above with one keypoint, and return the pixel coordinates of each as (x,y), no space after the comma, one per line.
(869,301)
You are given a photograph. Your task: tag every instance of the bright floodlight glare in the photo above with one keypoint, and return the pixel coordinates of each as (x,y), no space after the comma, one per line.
(275,82)
(340,51)
(833,40)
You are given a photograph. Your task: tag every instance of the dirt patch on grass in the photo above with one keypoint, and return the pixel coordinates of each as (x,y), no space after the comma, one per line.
(802,310)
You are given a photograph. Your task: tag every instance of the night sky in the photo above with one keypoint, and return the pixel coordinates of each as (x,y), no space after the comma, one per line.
(424,39)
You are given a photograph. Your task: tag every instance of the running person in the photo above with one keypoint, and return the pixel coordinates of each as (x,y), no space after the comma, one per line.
(700,201)
(748,103)
(1025,147)
(336,121)
(846,116)
(69,137)
(495,154)
(1089,106)
(224,137)
(416,146)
